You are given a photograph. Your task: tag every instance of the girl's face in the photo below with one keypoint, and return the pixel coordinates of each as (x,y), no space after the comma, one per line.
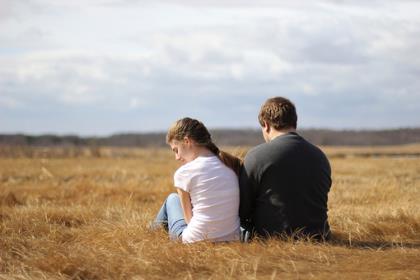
(183,150)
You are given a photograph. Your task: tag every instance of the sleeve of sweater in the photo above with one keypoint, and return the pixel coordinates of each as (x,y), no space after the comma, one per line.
(247,187)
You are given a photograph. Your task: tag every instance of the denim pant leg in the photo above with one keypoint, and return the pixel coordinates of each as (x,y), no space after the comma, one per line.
(171,216)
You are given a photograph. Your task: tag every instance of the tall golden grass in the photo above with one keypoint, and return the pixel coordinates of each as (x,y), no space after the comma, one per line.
(86,217)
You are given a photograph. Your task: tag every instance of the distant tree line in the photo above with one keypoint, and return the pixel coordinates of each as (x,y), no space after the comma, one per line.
(223,137)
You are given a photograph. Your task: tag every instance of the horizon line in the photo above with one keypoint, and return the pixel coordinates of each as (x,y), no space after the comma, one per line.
(81,135)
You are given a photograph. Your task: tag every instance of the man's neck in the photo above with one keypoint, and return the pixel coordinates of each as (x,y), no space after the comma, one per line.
(276,133)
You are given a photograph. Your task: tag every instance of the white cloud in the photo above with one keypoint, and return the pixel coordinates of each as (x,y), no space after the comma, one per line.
(132,55)
(10,103)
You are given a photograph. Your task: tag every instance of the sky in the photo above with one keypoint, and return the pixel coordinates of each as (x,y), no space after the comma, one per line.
(100,67)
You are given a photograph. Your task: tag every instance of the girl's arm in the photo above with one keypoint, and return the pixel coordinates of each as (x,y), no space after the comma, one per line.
(186,204)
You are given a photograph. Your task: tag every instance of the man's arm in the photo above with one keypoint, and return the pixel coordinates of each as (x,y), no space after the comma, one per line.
(247,194)
(186,204)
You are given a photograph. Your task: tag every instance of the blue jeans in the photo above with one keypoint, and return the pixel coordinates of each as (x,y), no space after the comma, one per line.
(171,216)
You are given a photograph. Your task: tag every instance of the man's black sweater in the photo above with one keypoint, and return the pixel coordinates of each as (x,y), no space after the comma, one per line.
(284,187)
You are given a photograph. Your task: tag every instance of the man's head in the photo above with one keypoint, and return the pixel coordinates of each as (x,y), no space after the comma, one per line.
(278,113)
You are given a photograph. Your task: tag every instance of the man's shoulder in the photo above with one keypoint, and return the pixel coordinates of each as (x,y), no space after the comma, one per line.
(264,150)
(258,157)
(257,151)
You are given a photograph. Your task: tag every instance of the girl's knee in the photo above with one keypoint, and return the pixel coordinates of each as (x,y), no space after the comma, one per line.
(172,196)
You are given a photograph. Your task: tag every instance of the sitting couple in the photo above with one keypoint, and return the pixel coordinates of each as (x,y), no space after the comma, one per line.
(281,187)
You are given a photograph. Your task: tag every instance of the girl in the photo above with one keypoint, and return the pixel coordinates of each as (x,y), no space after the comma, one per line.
(207,201)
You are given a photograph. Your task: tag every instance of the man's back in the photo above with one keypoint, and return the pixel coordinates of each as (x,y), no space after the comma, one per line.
(284,187)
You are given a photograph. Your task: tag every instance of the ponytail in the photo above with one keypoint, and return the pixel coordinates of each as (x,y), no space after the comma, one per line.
(213,148)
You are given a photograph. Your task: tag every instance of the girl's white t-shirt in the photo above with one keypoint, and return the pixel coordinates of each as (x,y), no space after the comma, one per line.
(214,192)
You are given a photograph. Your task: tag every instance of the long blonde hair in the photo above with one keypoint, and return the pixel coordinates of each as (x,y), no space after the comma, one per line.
(196,131)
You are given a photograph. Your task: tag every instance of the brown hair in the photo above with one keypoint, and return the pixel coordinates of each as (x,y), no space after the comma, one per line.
(278,112)
(196,131)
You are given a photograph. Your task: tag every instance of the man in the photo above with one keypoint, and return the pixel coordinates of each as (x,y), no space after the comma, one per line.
(284,182)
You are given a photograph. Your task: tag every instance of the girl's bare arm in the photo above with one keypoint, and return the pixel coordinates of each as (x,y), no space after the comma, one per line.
(186,204)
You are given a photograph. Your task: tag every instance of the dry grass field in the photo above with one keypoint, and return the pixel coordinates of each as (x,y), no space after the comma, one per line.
(84,215)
